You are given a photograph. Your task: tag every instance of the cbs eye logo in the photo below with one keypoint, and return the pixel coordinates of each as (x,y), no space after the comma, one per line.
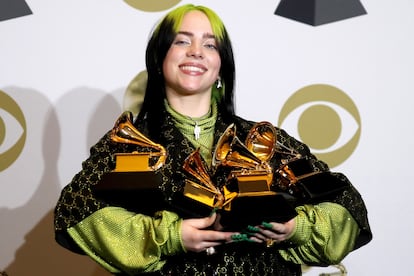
(152,6)
(326,119)
(12,131)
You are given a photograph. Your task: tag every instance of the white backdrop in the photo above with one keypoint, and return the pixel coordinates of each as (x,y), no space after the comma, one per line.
(68,65)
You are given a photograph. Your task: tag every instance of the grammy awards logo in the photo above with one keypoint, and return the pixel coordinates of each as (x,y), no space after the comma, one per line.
(10,9)
(326,119)
(152,6)
(12,131)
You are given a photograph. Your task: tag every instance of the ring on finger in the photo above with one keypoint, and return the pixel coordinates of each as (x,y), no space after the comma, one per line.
(270,242)
(210,250)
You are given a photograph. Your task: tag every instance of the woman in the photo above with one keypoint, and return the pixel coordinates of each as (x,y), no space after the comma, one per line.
(188,105)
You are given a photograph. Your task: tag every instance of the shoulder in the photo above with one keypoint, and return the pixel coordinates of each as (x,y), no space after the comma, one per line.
(243,124)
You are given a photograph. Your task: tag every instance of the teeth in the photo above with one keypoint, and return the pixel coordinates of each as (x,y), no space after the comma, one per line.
(192,68)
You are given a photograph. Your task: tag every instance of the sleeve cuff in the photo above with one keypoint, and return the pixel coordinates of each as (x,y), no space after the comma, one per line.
(174,244)
(303,228)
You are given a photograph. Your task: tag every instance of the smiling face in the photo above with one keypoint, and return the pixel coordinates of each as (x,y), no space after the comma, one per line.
(192,63)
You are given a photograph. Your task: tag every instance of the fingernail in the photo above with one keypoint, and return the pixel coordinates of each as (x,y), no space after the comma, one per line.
(235,237)
(213,211)
(267,225)
(253,229)
(239,237)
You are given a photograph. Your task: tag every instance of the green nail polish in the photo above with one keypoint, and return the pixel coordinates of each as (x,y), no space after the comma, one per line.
(253,229)
(267,225)
(235,237)
(213,211)
(239,237)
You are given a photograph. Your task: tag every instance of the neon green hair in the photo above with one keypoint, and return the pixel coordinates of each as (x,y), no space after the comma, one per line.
(176,17)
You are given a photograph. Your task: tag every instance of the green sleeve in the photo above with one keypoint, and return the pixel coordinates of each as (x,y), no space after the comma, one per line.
(121,240)
(324,234)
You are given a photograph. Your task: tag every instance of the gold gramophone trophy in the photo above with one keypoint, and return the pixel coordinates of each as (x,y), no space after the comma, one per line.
(125,132)
(248,161)
(293,171)
(251,177)
(204,190)
(246,198)
(134,181)
(298,178)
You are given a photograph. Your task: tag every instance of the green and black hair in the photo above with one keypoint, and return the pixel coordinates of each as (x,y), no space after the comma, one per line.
(157,48)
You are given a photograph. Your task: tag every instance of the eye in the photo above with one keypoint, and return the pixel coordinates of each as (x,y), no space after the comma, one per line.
(211,46)
(325,119)
(210,43)
(181,39)
(181,42)
(12,131)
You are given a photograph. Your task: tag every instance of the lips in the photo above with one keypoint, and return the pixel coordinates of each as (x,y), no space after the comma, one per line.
(193,68)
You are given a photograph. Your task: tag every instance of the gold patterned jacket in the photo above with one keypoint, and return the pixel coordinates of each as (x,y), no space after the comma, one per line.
(78,201)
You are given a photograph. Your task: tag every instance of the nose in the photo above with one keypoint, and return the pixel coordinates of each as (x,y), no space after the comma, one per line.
(195,51)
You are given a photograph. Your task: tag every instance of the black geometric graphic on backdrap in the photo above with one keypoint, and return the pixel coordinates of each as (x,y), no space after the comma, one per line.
(10,9)
(318,12)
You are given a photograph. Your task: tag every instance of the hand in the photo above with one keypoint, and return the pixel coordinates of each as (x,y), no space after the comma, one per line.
(274,232)
(197,237)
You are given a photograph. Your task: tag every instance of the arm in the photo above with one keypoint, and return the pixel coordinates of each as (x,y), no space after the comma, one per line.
(85,223)
(349,199)
(321,234)
(120,240)
(324,234)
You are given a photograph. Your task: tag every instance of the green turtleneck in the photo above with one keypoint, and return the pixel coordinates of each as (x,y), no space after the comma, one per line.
(199,131)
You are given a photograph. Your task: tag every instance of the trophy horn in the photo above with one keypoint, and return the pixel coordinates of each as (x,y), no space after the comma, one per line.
(194,165)
(125,132)
(261,140)
(230,151)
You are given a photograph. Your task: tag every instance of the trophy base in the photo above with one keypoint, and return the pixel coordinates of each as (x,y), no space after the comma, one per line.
(187,207)
(243,210)
(135,191)
(320,186)
(254,210)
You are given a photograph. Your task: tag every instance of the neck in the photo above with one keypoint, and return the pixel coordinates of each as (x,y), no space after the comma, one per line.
(193,106)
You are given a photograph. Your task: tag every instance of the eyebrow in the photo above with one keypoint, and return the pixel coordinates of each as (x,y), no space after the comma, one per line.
(205,35)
